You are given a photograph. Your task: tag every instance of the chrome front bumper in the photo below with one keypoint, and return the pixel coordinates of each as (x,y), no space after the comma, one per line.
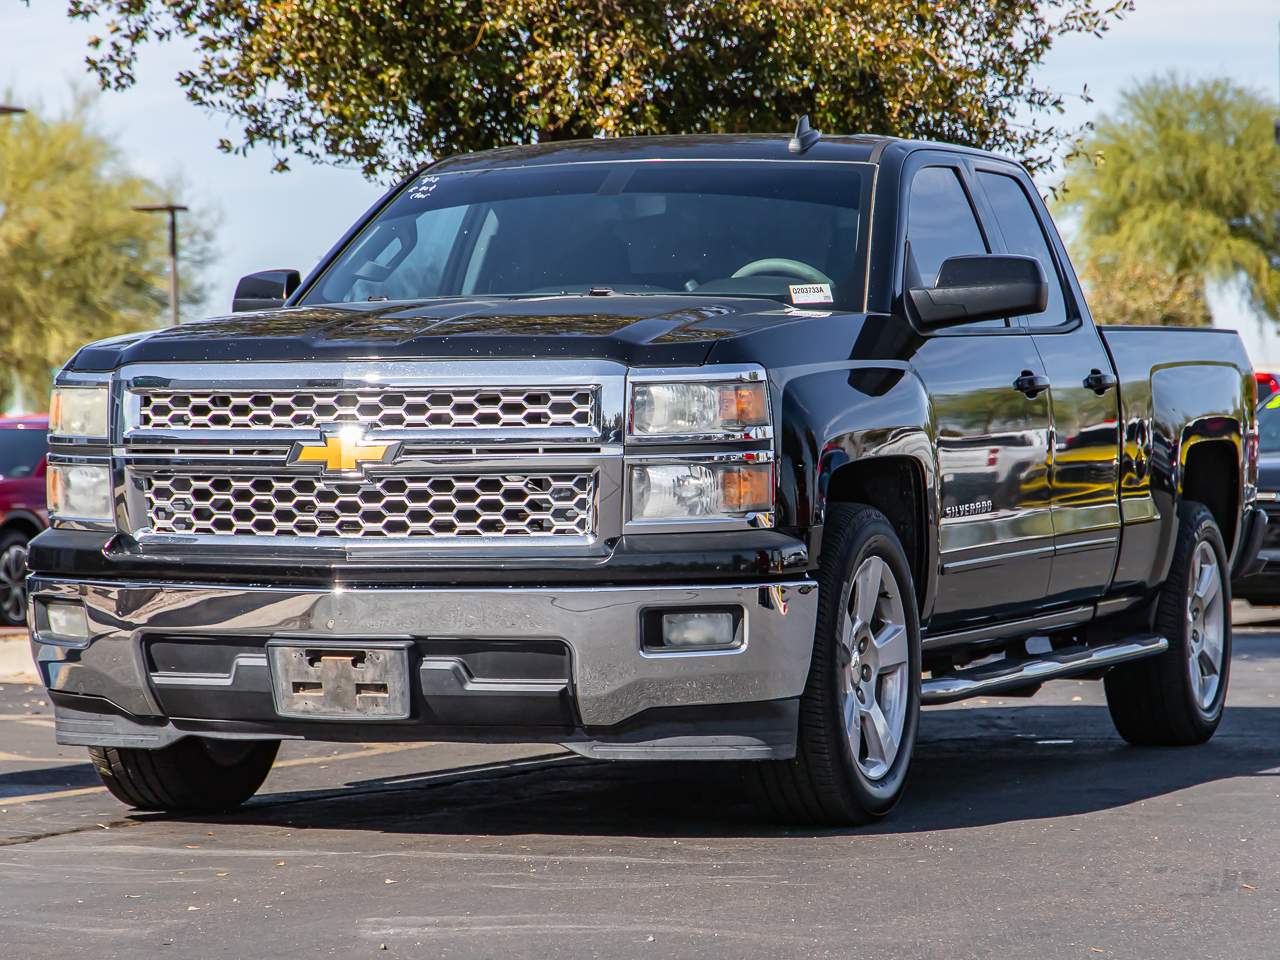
(613,679)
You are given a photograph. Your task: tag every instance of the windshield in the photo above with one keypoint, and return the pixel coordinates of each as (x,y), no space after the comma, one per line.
(21,452)
(749,228)
(1269,425)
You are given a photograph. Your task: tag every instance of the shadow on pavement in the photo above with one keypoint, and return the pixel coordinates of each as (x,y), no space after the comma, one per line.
(16,783)
(973,767)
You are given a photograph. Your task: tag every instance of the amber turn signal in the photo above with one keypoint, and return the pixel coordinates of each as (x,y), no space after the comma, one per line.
(747,488)
(744,404)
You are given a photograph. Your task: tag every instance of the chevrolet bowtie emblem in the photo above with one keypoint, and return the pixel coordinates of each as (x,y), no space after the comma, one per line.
(341,452)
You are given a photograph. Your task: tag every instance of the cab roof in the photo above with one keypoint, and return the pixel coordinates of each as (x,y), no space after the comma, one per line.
(864,148)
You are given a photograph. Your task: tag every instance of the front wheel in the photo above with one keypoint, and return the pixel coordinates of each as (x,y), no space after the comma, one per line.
(861,704)
(195,774)
(1176,698)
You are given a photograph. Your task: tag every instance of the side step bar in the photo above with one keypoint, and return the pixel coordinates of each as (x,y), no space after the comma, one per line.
(1008,674)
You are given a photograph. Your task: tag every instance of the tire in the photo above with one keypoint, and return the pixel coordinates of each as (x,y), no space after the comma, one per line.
(13,572)
(1176,698)
(830,781)
(194,775)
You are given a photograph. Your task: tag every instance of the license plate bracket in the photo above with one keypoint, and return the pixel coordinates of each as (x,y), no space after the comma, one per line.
(340,680)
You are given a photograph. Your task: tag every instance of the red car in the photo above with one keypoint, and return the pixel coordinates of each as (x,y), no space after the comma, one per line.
(22,508)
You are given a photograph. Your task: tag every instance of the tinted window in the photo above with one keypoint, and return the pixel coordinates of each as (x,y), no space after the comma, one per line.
(1023,235)
(21,452)
(714,229)
(940,224)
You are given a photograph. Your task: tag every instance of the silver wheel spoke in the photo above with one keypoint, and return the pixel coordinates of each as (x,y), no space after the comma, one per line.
(849,633)
(890,646)
(1207,584)
(851,721)
(866,589)
(882,743)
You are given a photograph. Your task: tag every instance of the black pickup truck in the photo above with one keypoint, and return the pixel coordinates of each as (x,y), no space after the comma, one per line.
(711,448)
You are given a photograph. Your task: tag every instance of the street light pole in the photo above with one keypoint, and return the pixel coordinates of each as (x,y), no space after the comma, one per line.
(172,209)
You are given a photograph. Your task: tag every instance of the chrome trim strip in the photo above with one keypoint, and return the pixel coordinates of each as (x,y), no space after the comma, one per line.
(1079,546)
(957,566)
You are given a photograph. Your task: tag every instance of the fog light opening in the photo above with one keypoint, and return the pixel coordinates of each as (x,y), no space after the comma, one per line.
(693,630)
(66,621)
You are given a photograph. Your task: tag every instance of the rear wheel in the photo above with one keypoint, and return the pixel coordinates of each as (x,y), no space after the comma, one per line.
(13,579)
(196,774)
(1176,698)
(861,705)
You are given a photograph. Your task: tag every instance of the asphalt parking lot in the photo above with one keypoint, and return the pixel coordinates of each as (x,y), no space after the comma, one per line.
(1029,830)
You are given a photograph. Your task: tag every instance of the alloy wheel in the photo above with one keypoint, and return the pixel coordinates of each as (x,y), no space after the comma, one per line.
(873,666)
(1206,611)
(13,585)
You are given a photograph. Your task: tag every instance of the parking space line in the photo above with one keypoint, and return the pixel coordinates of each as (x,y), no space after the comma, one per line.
(371,751)
(6,802)
(22,758)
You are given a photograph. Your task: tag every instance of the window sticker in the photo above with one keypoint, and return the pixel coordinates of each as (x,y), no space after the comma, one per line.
(811,293)
(1273,401)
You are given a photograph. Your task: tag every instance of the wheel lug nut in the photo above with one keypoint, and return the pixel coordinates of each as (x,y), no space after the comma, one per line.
(862,645)
(866,672)
(861,695)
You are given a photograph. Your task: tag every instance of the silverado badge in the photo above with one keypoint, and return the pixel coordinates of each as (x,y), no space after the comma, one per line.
(341,452)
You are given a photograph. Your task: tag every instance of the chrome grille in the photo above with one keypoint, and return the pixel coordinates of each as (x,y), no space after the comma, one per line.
(430,506)
(396,408)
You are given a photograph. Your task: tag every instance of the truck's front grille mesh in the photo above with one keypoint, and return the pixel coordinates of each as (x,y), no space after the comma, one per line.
(395,408)
(435,506)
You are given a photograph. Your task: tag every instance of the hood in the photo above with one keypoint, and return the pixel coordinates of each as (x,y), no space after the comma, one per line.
(636,330)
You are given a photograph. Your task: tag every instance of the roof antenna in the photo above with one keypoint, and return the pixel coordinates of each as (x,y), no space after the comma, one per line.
(804,137)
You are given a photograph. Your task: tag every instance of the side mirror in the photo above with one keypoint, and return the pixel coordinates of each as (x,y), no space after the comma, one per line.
(265,290)
(981,287)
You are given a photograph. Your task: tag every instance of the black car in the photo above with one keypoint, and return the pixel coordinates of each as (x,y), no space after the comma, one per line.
(1264,587)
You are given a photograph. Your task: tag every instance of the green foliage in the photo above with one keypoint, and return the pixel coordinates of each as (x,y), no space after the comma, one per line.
(389,84)
(1133,291)
(76,264)
(1183,188)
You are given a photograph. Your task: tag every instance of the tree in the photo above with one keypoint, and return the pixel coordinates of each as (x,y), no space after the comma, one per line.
(389,84)
(1133,291)
(1181,187)
(76,264)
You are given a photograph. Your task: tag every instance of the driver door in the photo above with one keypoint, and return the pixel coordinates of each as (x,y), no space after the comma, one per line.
(995,532)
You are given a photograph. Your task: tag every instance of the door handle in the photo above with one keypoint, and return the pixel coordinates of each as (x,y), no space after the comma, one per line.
(1031,385)
(1099,382)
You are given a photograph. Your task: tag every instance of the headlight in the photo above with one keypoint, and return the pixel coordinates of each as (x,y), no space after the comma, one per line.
(78,412)
(690,491)
(79,491)
(706,410)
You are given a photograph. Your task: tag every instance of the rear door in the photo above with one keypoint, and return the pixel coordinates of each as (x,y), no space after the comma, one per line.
(1083,395)
(995,534)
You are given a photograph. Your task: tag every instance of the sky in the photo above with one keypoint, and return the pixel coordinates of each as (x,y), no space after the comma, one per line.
(269,220)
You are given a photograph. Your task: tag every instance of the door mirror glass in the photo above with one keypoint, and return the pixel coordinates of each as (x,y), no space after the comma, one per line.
(265,290)
(982,287)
